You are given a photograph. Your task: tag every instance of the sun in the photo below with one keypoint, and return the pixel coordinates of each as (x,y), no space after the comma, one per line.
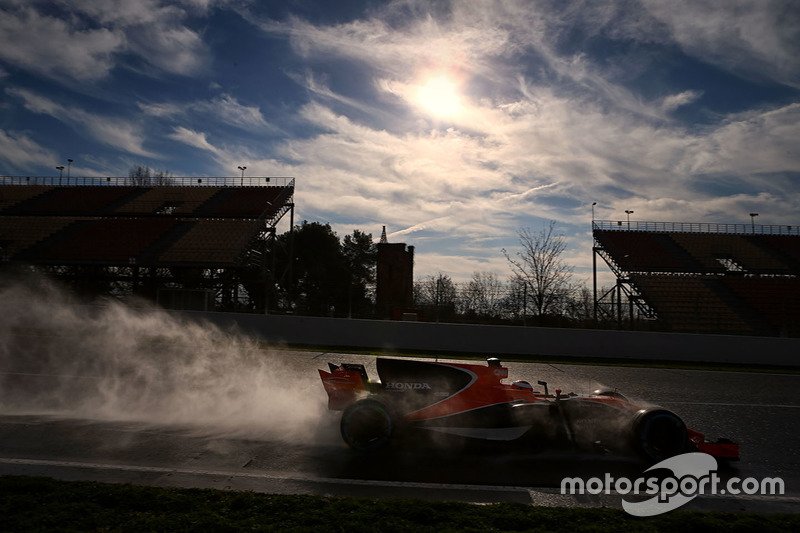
(440,96)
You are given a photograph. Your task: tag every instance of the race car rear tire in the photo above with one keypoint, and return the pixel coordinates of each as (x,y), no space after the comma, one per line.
(659,434)
(366,425)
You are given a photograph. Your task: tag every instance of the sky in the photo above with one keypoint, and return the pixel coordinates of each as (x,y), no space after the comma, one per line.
(454,124)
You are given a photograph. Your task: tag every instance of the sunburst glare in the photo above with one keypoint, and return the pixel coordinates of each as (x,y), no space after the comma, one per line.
(439,95)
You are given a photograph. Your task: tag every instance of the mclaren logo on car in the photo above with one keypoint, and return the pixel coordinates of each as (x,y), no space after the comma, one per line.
(404,386)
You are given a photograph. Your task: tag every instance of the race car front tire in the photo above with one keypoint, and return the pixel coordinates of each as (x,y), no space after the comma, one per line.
(366,425)
(659,434)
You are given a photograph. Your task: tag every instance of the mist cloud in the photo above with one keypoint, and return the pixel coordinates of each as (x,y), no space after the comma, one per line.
(115,362)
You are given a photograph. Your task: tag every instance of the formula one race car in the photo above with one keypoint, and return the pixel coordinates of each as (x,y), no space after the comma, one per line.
(469,401)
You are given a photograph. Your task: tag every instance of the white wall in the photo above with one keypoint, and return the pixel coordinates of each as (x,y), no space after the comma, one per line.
(511,340)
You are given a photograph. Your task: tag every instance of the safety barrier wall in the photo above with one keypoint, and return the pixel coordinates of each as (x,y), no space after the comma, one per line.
(510,340)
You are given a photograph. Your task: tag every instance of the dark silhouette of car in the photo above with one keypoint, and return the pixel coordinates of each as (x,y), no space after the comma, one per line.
(471,401)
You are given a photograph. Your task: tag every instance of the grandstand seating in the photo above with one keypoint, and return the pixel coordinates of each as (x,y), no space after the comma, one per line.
(210,241)
(106,240)
(17,234)
(11,196)
(709,249)
(786,246)
(158,200)
(211,202)
(243,202)
(66,201)
(142,225)
(637,251)
(699,253)
(702,281)
(689,303)
(775,299)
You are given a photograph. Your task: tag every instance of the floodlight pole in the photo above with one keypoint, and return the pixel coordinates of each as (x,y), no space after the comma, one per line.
(60,173)
(753,221)
(594,282)
(69,166)
(242,169)
(629,212)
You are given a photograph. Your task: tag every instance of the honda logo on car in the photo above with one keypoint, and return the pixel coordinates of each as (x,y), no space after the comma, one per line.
(404,386)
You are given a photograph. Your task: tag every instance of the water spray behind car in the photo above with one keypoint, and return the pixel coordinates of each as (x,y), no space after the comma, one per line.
(116,362)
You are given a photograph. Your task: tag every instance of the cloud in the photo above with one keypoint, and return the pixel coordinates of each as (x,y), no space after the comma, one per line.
(228,110)
(155,31)
(109,130)
(537,153)
(758,39)
(674,101)
(21,152)
(50,46)
(224,109)
(755,142)
(192,138)
(88,39)
(161,110)
(558,110)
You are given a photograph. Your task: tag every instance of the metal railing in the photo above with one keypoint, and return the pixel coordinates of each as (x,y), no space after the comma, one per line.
(179,181)
(696,227)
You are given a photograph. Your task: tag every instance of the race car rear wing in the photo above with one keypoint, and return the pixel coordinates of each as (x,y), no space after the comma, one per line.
(344,383)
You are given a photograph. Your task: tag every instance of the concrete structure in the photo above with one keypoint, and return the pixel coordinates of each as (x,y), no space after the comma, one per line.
(510,340)
(394,291)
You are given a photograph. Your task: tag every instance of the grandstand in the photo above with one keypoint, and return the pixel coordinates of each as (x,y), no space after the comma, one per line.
(167,242)
(703,278)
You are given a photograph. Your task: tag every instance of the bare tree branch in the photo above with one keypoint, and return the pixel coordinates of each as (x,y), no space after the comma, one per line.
(539,266)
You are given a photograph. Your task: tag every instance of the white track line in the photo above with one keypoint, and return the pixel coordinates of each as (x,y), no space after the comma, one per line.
(725,404)
(253,475)
(531,492)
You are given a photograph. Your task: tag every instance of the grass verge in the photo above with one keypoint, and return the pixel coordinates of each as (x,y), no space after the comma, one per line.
(43,504)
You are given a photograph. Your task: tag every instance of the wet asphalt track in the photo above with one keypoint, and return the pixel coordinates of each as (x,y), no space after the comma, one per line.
(760,411)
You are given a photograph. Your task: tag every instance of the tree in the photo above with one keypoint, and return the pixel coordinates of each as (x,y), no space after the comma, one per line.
(327,276)
(144,176)
(318,270)
(360,258)
(437,293)
(547,279)
(482,296)
(580,308)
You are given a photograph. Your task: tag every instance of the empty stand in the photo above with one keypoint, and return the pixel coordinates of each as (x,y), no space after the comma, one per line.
(106,235)
(177,200)
(17,234)
(65,201)
(775,299)
(705,281)
(124,224)
(11,196)
(786,246)
(712,250)
(689,303)
(250,202)
(211,241)
(107,240)
(637,251)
